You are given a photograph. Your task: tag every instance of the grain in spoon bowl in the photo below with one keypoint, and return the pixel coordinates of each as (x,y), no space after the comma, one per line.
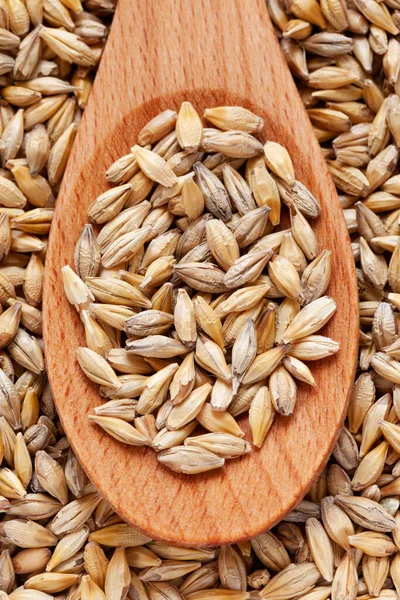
(197,305)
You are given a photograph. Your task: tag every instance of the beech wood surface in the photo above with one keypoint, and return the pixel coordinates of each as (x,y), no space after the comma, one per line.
(159,53)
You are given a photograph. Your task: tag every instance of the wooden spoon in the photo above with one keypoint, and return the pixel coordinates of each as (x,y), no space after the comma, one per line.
(159,53)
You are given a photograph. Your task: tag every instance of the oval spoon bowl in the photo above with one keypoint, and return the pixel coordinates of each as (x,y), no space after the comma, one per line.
(231,58)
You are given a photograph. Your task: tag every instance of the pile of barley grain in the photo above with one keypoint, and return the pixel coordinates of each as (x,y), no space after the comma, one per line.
(344,538)
(182,296)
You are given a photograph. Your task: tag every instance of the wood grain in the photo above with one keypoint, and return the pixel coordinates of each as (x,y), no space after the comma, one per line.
(159,53)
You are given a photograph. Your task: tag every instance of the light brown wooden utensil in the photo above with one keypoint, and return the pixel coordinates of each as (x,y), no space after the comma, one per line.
(161,52)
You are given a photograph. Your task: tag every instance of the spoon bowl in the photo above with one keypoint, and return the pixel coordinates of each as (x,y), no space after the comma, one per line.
(160,53)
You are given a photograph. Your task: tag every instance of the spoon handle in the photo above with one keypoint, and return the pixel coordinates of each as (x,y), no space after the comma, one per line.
(177,49)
